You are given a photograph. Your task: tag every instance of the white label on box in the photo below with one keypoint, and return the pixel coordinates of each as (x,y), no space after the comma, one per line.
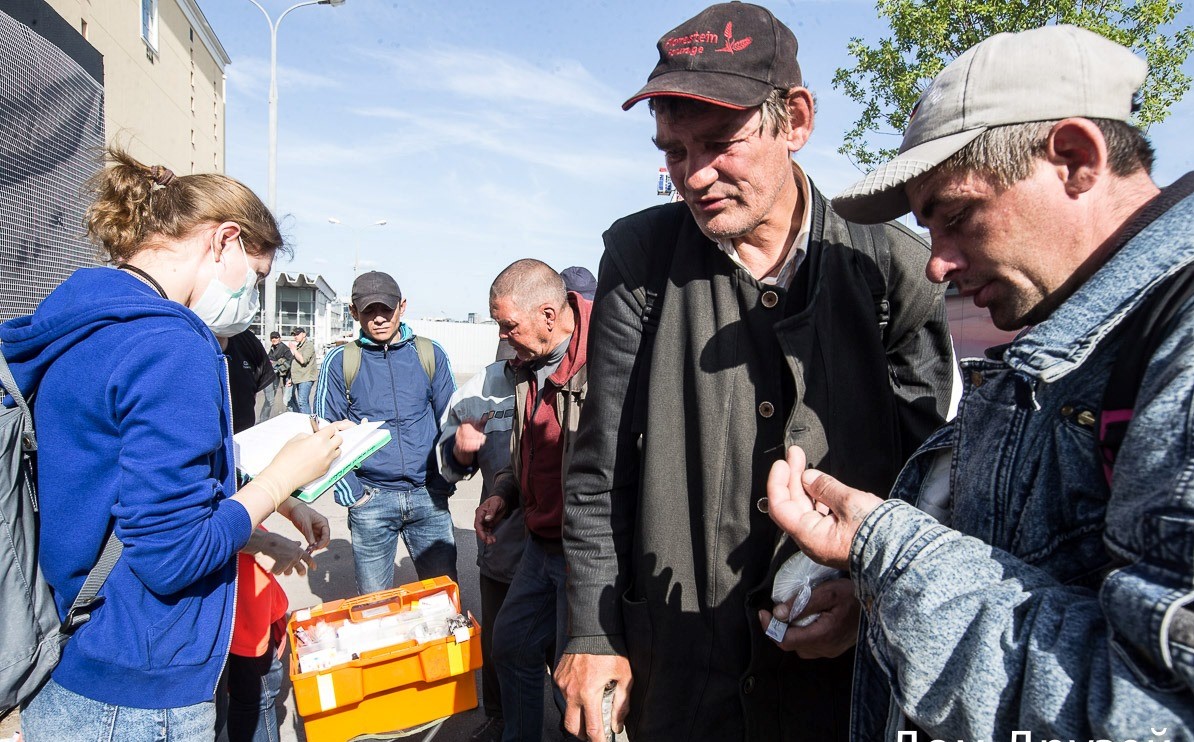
(327,691)
(381,610)
(776,629)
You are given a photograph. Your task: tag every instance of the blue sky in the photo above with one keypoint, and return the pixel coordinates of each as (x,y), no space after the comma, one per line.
(485,132)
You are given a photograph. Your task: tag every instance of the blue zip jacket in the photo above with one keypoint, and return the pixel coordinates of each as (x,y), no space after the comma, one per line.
(1038,603)
(391,385)
(130,400)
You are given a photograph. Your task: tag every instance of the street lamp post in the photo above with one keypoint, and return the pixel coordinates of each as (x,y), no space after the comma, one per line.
(271,284)
(356,244)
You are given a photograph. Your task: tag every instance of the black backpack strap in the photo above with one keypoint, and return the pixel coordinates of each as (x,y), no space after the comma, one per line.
(646,274)
(88,598)
(1143,332)
(646,270)
(873,251)
(644,267)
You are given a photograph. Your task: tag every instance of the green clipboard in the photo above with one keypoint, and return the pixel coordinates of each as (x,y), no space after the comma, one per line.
(312,491)
(257,446)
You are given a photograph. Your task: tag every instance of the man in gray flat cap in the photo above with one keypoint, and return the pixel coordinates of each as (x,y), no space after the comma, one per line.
(1032,573)
(746,318)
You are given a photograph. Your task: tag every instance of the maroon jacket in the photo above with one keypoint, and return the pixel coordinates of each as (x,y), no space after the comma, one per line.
(543,439)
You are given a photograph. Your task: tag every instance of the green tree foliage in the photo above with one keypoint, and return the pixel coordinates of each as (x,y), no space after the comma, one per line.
(889,77)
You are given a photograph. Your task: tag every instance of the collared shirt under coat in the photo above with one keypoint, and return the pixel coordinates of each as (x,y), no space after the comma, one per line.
(670,560)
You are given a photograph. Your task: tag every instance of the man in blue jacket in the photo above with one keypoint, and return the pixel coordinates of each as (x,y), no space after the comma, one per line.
(389,374)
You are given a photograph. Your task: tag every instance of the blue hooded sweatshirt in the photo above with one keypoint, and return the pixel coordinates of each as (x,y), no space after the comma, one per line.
(131,405)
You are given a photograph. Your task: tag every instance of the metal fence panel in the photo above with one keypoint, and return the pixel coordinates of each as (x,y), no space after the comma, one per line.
(51,135)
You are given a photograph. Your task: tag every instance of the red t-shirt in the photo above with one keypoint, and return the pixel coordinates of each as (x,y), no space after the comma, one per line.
(260,604)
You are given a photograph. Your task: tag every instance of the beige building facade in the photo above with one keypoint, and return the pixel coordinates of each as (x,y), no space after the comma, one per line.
(164,81)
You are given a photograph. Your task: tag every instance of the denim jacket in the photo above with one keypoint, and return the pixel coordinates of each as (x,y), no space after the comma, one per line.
(1047,602)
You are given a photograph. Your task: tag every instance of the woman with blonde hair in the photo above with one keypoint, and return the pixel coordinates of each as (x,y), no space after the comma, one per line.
(131,399)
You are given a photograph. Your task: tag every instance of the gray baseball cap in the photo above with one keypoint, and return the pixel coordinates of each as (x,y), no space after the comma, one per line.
(1045,74)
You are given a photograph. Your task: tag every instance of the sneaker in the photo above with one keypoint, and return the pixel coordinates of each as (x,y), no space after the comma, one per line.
(490,731)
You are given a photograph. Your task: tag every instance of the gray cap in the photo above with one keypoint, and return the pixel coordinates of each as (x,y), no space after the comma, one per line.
(1045,74)
(375,287)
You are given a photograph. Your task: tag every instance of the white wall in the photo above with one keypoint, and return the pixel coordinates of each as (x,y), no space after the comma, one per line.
(470,347)
(326,326)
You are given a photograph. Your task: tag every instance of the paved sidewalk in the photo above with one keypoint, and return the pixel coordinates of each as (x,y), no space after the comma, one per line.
(334,579)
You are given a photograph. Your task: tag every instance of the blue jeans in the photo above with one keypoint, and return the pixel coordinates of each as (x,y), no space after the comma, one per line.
(421,518)
(301,401)
(56,713)
(534,614)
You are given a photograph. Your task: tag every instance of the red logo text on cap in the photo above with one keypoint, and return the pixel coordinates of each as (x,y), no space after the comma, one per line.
(694,43)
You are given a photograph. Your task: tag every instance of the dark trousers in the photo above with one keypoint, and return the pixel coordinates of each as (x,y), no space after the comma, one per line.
(245,699)
(493,594)
(534,617)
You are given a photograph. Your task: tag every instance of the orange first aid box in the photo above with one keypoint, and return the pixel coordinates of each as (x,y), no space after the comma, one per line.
(390,688)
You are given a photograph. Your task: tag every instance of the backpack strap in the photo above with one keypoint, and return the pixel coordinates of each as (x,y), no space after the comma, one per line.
(1144,330)
(646,270)
(88,598)
(352,366)
(871,242)
(352,361)
(426,350)
(28,437)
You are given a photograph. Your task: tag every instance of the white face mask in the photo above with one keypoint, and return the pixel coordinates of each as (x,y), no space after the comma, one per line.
(226,311)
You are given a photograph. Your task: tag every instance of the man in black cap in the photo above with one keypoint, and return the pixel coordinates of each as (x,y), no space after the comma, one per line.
(303,371)
(747,318)
(280,359)
(388,373)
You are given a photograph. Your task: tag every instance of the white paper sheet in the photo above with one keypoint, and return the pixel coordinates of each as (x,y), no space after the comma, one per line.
(257,446)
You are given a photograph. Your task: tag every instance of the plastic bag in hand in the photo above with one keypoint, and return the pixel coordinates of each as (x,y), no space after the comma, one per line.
(795,581)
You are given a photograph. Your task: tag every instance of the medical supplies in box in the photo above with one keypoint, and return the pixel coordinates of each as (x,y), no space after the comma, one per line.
(383,662)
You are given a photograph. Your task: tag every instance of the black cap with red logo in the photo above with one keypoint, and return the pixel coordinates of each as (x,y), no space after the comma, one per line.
(730,54)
